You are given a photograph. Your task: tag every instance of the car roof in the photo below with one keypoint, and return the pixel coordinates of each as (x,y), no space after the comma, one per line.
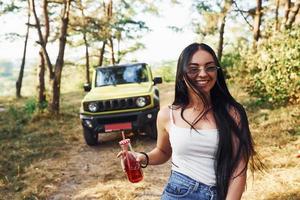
(121,65)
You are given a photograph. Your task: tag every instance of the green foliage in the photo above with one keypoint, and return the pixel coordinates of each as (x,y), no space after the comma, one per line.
(30,106)
(43,105)
(230,59)
(9,7)
(167,71)
(16,118)
(272,74)
(27,138)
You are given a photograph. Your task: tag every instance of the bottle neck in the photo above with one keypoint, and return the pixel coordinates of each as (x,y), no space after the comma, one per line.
(130,147)
(125,147)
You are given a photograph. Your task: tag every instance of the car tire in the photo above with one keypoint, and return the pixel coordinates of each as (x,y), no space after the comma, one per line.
(151,130)
(90,137)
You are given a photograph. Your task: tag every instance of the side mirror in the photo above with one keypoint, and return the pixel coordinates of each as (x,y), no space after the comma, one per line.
(87,87)
(157,80)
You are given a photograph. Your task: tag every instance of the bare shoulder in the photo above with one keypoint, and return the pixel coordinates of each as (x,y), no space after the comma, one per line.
(164,114)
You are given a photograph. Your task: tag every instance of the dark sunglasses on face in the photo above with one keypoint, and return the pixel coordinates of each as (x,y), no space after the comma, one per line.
(195,70)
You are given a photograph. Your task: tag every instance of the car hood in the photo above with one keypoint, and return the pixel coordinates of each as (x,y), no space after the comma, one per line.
(118,91)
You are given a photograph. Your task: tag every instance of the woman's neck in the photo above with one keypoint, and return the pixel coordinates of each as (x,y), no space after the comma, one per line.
(197,103)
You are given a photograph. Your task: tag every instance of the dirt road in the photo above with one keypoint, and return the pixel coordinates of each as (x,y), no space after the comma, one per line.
(96,173)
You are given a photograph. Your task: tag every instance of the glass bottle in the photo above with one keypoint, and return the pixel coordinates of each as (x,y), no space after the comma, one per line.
(128,161)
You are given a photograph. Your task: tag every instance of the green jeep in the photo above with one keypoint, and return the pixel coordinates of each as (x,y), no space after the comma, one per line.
(121,98)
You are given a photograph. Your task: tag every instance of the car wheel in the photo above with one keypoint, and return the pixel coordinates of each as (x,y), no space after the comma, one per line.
(151,130)
(90,137)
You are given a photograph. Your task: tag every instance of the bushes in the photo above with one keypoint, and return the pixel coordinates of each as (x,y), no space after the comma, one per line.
(16,118)
(167,71)
(272,73)
(27,137)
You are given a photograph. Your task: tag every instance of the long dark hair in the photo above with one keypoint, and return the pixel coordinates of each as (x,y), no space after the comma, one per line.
(222,102)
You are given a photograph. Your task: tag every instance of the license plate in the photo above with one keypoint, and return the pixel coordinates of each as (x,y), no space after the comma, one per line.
(117,126)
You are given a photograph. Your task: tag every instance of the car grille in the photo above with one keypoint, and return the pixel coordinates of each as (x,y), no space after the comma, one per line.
(116,104)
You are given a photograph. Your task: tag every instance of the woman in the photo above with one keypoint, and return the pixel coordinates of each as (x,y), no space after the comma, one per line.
(205,131)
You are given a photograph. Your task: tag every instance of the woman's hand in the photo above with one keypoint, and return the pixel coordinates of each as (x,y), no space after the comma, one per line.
(141,158)
(122,164)
(119,154)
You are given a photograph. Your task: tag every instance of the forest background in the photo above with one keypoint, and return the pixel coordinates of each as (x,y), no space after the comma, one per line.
(258,45)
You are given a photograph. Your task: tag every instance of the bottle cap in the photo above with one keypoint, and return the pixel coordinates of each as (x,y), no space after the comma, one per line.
(125,141)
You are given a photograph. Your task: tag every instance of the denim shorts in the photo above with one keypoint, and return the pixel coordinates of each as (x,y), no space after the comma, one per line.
(183,187)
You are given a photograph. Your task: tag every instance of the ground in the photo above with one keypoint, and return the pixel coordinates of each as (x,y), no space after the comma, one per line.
(60,166)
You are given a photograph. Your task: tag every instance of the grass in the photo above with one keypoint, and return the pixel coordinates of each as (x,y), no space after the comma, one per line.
(34,147)
(28,139)
(277,136)
(276,133)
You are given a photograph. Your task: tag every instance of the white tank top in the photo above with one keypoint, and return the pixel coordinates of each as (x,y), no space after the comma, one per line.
(193,153)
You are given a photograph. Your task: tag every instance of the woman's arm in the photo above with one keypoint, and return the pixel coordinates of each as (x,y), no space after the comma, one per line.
(237,182)
(163,151)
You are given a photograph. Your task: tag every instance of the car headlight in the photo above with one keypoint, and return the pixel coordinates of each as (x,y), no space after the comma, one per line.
(141,101)
(93,107)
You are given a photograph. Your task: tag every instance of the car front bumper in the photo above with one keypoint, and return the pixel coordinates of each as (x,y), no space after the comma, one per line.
(138,119)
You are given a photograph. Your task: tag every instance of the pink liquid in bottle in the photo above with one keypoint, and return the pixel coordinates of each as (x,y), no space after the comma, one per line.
(132,167)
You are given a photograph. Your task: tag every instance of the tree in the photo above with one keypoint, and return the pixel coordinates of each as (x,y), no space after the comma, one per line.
(60,58)
(7,7)
(84,31)
(109,16)
(213,16)
(292,15)
(108,24)
(21,72)
(276,15)
(287,10)
(226,7)
(41,68)
(101,55)
(56,70)
(257,22)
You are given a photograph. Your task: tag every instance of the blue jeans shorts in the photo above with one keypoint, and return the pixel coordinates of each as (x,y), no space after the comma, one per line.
(183,187)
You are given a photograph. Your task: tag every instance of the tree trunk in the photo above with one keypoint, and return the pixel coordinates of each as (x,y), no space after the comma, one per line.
(42,41)
(109,14)
(224,12)
(112,61)
(41,75)
(84,34)
(118,51)
(221,38)
(87,59)
(257,23)
(276,15)
(101,56)
(293,14)
(21,73)
(47,23)
(55,104)
(41,70)
(287,10)
(110,9)
(60,59)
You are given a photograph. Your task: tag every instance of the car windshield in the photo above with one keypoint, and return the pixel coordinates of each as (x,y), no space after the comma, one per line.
(121,75)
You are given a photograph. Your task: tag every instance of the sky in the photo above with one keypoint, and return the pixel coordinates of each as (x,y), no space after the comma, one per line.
(161,43)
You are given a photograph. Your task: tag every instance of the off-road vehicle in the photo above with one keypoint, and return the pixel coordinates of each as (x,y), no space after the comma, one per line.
(120,98)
